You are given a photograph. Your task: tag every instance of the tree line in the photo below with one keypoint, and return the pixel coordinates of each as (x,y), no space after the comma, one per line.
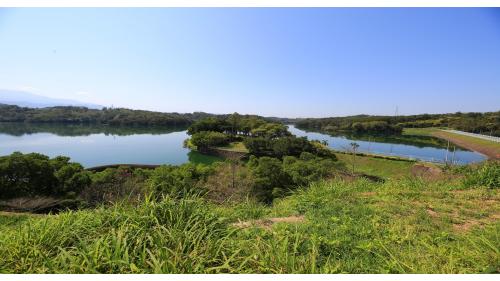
(487,123)
(108,116)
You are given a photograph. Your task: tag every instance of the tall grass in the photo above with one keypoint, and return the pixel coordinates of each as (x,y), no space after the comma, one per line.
(170,236)
(350,227)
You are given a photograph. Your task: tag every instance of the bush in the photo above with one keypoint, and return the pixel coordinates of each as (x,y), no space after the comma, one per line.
(116,184)
(308,168)
(487,174)
(178,181)
(274,178)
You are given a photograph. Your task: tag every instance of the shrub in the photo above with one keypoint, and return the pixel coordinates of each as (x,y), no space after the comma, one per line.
(487,174)
(116,184)
(178,181)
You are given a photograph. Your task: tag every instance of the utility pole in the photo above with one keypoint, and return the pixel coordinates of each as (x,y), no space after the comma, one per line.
(453,158)
(447,149)
(354,146)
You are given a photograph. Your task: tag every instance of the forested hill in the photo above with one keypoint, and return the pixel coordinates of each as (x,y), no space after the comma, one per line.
(484,123)
(110,116)
(105,116)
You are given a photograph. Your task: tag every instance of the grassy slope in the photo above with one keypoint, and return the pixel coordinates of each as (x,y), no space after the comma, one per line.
(419,131)
(376,166)
(489,148)
(403,225)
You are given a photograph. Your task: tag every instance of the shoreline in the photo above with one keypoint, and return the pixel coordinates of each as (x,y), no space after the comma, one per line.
(487,148)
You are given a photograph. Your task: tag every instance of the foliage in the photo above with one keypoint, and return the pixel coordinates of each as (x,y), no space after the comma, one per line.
(235,124)
(375,126)
(486,174)
(208,124)
(115,185)
(110,116)
(35,174)
(178,181)
(205,139)
(278,147)
(308,168)
(485,123)
(286,146)
(270,180)
(274,178)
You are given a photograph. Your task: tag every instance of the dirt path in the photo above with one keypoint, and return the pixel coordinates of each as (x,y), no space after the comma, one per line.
(492,150)
(268,223)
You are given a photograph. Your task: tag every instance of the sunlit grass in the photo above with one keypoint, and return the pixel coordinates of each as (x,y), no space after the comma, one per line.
(404,225)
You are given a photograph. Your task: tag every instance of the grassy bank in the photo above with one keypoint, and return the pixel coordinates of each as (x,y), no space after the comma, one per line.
(400,226)
(376,166)
(486,147)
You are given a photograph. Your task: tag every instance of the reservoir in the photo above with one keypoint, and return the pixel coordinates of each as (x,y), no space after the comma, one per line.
(93,145)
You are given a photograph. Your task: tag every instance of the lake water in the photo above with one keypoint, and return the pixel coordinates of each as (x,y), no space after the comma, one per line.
(416,147)
(94,146)
(102,145)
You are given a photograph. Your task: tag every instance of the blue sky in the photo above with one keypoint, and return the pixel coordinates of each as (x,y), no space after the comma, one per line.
(301,62)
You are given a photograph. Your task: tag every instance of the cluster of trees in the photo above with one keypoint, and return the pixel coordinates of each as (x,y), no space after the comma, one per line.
(35,174)
(375,126)
(260,137)
(484,123)
(236,124)
(205,139)
(263,178)
(285,146)
(273,178)
(109,116)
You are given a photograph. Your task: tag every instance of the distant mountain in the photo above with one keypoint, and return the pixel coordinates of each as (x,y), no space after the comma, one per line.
(26,99)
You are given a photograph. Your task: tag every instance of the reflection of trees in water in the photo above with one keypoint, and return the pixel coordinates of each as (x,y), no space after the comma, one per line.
(19,129)
(199,158)
(418,141)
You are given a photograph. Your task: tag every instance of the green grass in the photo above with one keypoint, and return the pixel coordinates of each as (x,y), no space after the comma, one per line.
(400,226)
(419,131)
(380,167)
(234,146)
(469,139)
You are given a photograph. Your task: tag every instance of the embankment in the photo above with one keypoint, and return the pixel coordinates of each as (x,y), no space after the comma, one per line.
(488,148)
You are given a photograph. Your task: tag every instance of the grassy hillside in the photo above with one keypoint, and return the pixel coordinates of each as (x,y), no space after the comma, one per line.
(404,225)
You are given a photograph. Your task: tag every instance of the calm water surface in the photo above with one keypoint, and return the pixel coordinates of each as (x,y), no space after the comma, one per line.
(416,147)
(101,145)
(94,146)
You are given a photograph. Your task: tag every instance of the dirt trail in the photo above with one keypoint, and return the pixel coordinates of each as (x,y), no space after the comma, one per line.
(268,223)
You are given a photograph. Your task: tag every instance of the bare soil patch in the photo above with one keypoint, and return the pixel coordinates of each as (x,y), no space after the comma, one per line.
(426,171)
(268,223)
